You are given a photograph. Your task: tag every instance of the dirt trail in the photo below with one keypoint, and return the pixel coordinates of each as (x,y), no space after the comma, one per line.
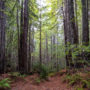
(54,83)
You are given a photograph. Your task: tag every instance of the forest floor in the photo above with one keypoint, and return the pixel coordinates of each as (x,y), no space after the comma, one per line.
(55,81)
(29,83)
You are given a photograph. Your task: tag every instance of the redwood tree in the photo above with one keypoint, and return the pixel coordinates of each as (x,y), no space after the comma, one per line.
(70,31)
(23,68)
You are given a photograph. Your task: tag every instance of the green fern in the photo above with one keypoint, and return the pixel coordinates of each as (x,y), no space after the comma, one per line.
(5,83)
(86,84)
(72,79)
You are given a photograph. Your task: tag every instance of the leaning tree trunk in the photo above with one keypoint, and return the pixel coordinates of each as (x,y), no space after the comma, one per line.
(2,35)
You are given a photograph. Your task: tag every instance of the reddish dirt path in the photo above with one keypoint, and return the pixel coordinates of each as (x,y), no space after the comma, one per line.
(54,83)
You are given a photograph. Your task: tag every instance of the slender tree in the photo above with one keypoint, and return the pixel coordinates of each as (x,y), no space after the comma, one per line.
(18,28)
(29,60)
(40,57)
(47,56)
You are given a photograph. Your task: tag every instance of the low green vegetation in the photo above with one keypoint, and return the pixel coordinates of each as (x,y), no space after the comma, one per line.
(79,81)
(77,88)
(37,80)
(17,74)
(5,84)
(51,74)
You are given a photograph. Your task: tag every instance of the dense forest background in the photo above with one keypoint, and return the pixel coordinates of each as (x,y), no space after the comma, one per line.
(44,38)
(54,33)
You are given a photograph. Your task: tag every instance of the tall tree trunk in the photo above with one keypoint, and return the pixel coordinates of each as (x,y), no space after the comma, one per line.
(18,30)
(76,21)
(89,11)
(23,39)
(33,47)
(51,52)
(40,51)
(85,29)
(54,51)
(65,30)
(2,35)
(57,59)
(29,61)
(85,23)
(70,31)
(47,56)
(25,34)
